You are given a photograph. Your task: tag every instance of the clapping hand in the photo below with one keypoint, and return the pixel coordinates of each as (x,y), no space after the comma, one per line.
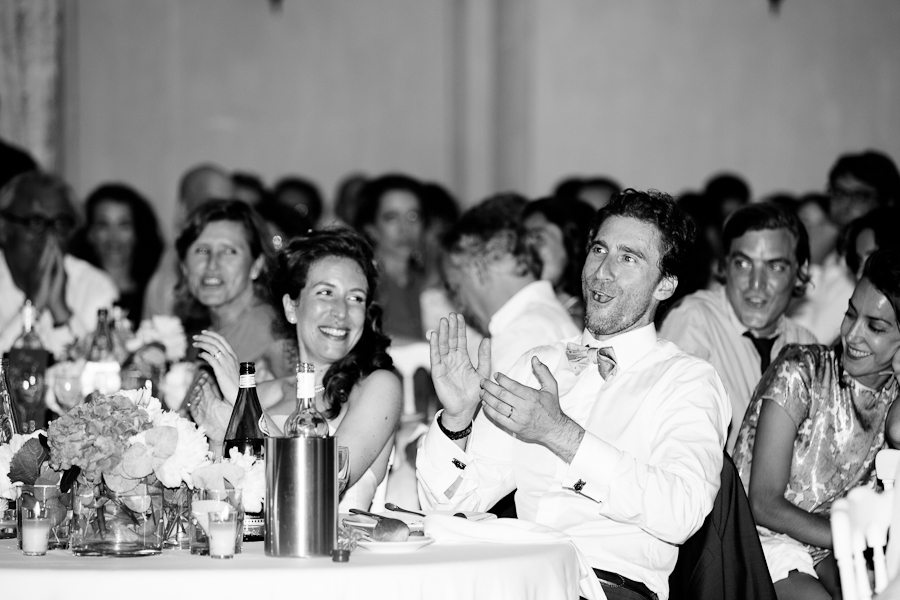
(51,292)
(216,351)
(456,381)
(532,415)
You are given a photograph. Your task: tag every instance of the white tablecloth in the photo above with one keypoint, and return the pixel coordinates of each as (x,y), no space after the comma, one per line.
(435,572)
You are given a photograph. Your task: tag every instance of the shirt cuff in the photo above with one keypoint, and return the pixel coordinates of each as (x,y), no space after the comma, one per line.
(441,462)
(593,467)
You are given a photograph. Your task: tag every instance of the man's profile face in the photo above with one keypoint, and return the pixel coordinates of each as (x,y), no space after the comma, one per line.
(760,274)
(621,280)
(465,290)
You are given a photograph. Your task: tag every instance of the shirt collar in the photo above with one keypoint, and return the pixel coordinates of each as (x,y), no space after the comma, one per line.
(629,347)
(506,315)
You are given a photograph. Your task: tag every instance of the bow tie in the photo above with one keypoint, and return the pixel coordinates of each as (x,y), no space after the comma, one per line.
(581,356)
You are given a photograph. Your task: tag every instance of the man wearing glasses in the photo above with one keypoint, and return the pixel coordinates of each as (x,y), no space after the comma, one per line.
(37,218)
(857,184)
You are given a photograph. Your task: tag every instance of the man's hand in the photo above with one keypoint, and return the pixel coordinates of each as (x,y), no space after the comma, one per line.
(456,381)
(51,292)
(534,416)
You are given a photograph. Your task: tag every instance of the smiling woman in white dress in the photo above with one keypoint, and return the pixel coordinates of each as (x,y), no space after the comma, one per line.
(324,286)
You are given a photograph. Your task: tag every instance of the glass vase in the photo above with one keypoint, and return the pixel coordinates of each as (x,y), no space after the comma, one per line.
(106,523)
(177,511)
(58,507)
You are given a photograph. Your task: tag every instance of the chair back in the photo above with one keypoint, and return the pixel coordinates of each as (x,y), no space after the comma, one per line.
(886,463)
(724,558)
(858,521)
(407,360)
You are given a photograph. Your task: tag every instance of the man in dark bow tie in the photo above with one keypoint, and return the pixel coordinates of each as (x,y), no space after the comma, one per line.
(614,436)
(740,327)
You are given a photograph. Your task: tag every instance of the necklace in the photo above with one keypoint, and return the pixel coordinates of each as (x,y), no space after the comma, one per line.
(319,389)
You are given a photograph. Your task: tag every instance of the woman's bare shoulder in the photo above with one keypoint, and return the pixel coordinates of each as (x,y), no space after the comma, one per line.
(382,384)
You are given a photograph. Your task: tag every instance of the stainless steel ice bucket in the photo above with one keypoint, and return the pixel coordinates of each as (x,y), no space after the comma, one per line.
(301,496)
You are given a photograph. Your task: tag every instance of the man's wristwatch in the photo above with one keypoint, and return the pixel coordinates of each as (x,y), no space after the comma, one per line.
(454,435)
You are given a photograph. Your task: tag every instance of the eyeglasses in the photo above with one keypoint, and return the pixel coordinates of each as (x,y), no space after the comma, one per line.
(38,225)
(863,195)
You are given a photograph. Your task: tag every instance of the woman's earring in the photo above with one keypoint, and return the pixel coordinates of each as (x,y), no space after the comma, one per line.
(292,319)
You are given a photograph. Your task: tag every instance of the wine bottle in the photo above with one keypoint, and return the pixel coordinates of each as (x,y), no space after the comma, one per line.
(8,423)
(28,362)
(102,373)
(29,339)
(306,421)
(245,432)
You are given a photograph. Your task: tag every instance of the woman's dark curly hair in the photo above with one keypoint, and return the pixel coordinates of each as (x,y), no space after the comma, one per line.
(370,352)
(148,246)
(194,315)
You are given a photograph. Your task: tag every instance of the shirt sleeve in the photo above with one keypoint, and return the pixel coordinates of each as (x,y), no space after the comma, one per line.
(685,326)
(669,495)
(787,382)
(451,478)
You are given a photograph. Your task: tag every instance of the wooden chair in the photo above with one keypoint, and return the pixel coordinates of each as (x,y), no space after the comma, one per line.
(886,463)
(861,520)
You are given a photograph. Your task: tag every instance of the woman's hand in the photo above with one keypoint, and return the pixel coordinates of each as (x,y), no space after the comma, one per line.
(209,411)
(217,352)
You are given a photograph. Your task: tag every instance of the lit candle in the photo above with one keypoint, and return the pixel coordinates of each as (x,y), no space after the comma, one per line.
(222,532)
(35,535)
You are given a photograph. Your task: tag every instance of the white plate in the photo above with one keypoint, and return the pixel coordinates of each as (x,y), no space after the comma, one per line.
(410,545)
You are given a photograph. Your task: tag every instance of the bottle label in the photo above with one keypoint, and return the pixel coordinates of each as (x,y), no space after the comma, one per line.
(247,381)
(306,385)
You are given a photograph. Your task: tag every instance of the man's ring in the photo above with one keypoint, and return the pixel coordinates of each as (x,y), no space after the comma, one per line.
(509,416)
(218,355)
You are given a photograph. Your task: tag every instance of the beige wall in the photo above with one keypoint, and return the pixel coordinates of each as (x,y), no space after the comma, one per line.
(479,94)
(661,93)
(319,88)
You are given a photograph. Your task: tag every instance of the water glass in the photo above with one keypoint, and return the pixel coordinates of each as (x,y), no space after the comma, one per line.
(222,529)
(35,531)
(205,501)
(8,521)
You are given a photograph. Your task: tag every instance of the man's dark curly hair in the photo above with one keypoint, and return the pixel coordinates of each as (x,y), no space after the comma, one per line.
(676,227)
(370,352)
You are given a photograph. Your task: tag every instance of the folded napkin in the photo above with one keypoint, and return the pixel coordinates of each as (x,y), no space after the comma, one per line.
(511,531)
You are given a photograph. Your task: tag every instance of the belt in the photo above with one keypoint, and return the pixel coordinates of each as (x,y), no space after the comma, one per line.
(611,579)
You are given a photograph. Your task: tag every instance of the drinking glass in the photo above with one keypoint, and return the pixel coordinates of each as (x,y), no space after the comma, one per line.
(343,472)
(67,389)
(205,501)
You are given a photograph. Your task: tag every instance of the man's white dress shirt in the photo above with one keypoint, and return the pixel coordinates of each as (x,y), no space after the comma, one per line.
(533,317)
(704,324)
(87,290)
(647,468)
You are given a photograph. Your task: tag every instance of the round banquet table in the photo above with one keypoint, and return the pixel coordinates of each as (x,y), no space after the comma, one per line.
(451,571)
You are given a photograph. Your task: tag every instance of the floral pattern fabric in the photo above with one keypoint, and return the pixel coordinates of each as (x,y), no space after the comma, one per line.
(840,428)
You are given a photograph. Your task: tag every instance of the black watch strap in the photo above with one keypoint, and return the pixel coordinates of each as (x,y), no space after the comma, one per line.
(454,435)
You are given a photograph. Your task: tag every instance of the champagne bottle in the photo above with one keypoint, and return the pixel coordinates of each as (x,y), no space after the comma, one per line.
(306,421)
(8,422)
(102,373)
(245,432)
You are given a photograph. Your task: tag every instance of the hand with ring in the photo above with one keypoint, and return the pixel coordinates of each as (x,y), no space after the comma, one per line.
(217,352)
(532,415)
